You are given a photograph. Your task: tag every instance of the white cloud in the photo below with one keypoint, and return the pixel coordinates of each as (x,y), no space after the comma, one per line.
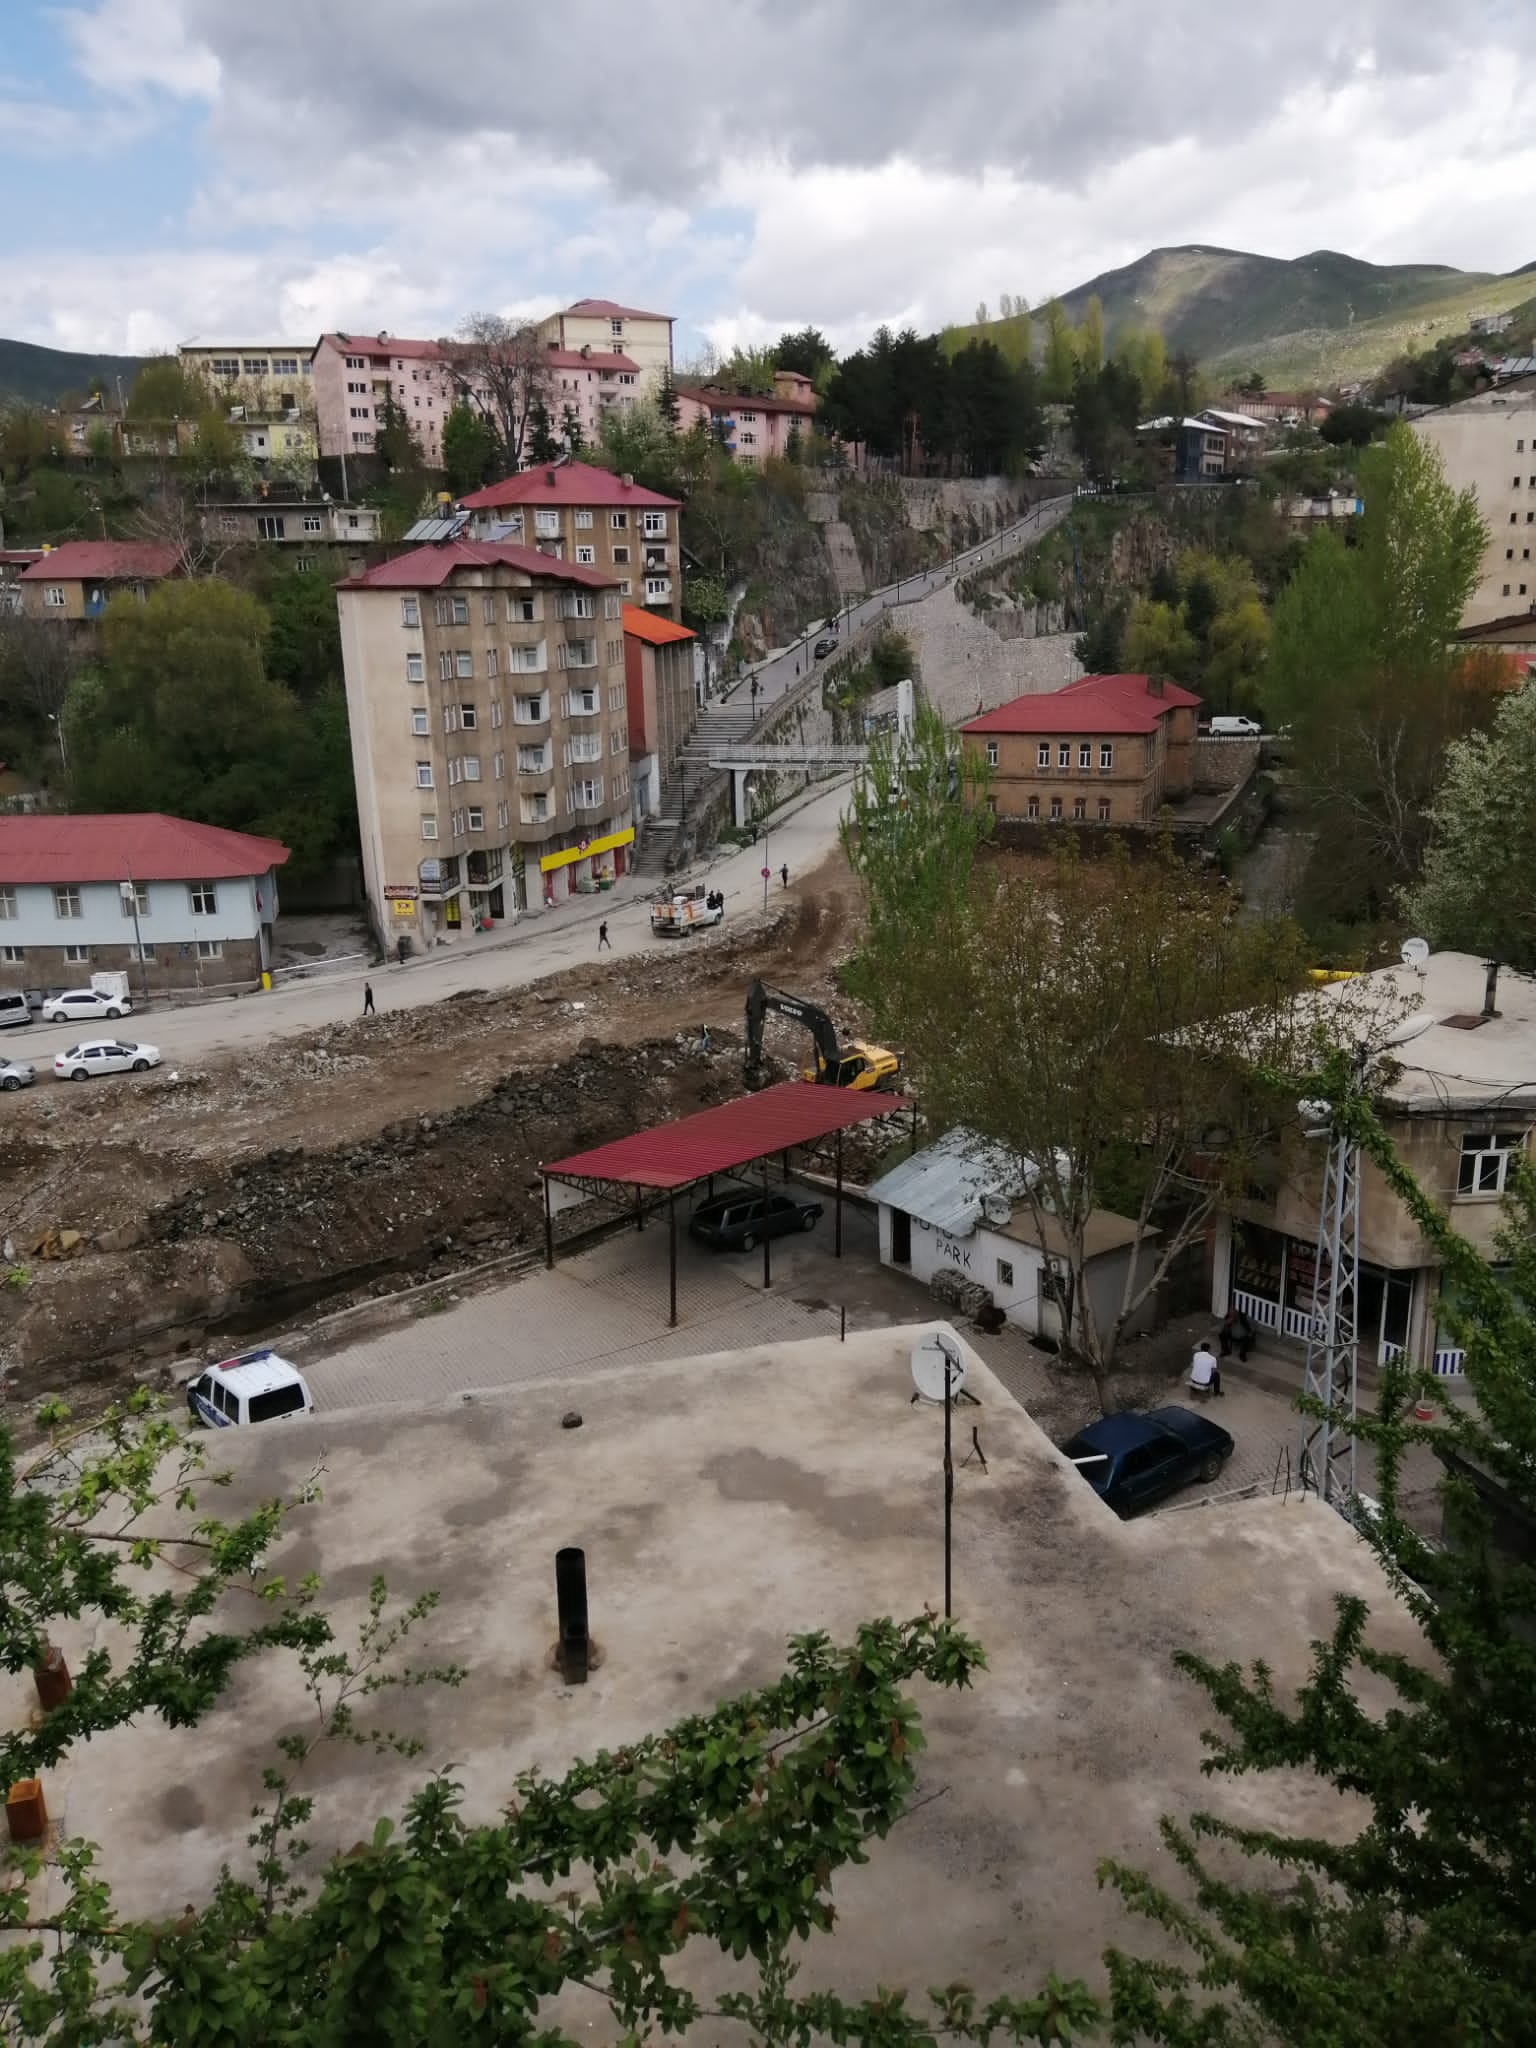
(125,46)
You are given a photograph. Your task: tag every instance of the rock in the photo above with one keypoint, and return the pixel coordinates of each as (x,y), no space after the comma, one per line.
(126,1237)
(571,1419)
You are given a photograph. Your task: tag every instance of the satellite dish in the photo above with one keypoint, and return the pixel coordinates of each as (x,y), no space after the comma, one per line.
(931,1359)
(1410,1027)
(1415,953)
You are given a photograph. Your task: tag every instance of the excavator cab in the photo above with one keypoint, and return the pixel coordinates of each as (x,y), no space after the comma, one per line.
(859,1066)
(856,1065)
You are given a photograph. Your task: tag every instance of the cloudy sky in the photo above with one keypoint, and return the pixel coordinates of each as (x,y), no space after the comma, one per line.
(264,169)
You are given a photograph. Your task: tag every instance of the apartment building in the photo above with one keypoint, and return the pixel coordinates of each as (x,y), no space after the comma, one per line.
(753,425)
(490,741)
(605,327)
(1105,750)
(74,582)
(575,512)
(310,530)
(1488,443)
(355,375)
(587,384)
(662,698)
(266,389)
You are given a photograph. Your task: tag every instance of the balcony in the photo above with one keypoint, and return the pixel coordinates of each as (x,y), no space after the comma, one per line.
(658,590)
(535,781)
(589,809)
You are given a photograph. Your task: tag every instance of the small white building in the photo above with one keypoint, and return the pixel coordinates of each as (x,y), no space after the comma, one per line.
(958,1206)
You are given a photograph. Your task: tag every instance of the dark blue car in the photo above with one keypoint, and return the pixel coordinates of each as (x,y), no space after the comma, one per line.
(1133,1460)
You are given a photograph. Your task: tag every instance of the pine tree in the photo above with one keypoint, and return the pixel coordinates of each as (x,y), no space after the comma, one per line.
(542,444)
(570,430)
(666,402)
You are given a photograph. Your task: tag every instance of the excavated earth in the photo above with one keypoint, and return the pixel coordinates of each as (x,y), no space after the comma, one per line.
(366,1157)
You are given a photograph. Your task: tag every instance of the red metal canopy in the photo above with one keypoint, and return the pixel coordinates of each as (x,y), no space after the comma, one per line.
(734,1134)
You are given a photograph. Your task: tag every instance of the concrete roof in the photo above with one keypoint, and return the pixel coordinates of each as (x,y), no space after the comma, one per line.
(1445,1063)
(724,1504)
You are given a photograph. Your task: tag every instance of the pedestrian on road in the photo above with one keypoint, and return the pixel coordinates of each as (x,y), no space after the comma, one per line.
(368,1008)
(603,938)
(754,696)
(784,874)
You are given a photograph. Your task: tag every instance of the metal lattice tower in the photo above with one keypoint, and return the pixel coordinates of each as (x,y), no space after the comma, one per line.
(1333,1351)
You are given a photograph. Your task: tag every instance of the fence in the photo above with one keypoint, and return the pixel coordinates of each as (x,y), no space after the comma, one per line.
(331,963)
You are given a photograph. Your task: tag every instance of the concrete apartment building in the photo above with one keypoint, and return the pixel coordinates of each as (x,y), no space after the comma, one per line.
(1105,750)
(662,698)
(753,425)
(266,390)
(354,375)
(575,512)
(311,530)
(1461,1106)
(74,582)
(1489,443)
(588,384)
(173,904)
(490,742)
(603,327)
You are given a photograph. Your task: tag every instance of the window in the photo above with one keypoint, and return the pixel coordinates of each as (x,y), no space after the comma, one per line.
(357,362)
(581,703)
(474,819)
(1043,754)
(1103,810)
(577,604)
(134,901)
(7,904)
(1032,808)
(460,610)
(270,526)
(423,774)
(415,669)
(312,522)
(228,523)
(1079,807)
(358,412)
(1106,755)
(620,553)
(226,366)
(1055,807)
(1005,1272)
(1485,1161)
(1084,754)
(204,899)
(13,954)
(495,711)
(463,663)
(533,760)
(468,717)
(1064,754)
(616,326)
(534,810)
(586,554)
(450,718)
(492,662)
(503,816)
(522,609)
(991,753)
(145,953)
(653,525)
(488,608)
(428,827)
(657,586)
(749,439)
(210,949)
(471,766)
(618,521)
(53,596)
(66,902)
(499,768)
(304,563)
(419,724)
(77,955)
(530,710)
(584,520)
(527,660)
(444,666)
(1506,590)
(357,390)
(546,523)
(285,366)
(579,654)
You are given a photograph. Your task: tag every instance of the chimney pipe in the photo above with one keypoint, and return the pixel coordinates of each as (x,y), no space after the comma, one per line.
(1154,686)
(1490,987)
(549,477)
(571,1594)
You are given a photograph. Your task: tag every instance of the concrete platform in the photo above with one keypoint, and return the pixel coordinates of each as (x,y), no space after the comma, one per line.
(725,1504)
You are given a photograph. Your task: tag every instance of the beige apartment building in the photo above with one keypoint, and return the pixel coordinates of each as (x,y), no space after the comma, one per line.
(601,326)
(267,392)
(490,741)
(575,512)
(1489,443)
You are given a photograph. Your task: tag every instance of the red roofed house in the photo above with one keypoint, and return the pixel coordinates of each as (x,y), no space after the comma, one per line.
(1105,750)
(71,889)
(662,698)
(579,513)
(604,327)
(753,425)
(490,740)
(75,580)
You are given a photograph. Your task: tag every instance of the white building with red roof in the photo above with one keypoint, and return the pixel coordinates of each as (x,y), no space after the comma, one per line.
(753,424)
(490,741)
(576,512)
(172,903)
(1105,750)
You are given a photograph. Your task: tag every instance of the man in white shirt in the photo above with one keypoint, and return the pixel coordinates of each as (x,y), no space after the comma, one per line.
(1204,1372)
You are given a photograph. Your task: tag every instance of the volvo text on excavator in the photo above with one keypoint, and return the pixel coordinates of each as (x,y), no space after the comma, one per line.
(855,1065)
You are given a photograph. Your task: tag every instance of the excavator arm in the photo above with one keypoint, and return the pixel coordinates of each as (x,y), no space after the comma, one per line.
(760,1000)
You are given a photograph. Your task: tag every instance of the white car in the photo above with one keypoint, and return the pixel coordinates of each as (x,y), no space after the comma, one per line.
(84,1002)
(104,1056)
(254,1386)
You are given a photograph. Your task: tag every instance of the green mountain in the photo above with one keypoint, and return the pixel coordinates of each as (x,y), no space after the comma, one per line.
(41,376)
(1308,320)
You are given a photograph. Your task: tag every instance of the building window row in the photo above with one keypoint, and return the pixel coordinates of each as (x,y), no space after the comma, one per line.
(1064,754)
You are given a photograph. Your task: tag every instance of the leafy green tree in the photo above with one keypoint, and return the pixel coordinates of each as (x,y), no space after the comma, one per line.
(469,448)
(667,407)
(1100,647)
(1421,1925)
(1106,407)
(747,369)
(808,352)
(395,442)
(541,444)
(637,442)
(1059,367)
(1090,336)
(303,631)
(1158,643)
(1477,892)
(163,391)
(794,445)
(1250,385)
(1353,426)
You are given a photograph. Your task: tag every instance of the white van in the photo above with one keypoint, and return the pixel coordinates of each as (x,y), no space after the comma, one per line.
(1236,729)
(255,1386)
(14,1009)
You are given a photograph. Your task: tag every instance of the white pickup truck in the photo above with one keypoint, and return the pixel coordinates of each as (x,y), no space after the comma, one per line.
(687,910)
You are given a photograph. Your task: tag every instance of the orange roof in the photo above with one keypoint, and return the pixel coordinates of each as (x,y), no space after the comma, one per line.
(647,626)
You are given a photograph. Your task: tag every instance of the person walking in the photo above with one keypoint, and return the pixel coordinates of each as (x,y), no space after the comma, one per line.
(784,874)
(368,1004)
(603,938)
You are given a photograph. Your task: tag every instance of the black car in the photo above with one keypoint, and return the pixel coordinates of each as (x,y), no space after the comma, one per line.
(737,1223)
(823,648)
(1131,1461)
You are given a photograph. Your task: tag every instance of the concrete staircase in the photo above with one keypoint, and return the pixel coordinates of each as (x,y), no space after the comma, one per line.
(692,780)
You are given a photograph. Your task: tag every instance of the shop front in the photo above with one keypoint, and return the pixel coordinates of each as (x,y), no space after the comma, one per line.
(587,867)
(1278,1284)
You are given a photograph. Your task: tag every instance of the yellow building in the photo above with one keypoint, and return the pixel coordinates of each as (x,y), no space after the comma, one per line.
(267,392)
(602,326)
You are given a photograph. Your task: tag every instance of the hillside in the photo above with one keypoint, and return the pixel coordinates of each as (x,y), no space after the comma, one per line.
(39,376)
(1310,319)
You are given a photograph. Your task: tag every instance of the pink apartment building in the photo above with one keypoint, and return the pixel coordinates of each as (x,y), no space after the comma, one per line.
(591,382)
(354,374)
(753,425)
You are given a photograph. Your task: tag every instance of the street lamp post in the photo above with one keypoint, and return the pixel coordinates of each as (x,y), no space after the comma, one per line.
(130,895)
(58,725)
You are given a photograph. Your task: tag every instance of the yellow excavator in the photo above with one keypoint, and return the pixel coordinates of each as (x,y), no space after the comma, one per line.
(855,1065)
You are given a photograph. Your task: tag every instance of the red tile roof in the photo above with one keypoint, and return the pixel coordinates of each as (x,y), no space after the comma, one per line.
(103,561)
(642,625)
(605,309)
(739,401)
(106,848)
(588,359)
(570,483)
(386,345)
(1093,704)
(427,567)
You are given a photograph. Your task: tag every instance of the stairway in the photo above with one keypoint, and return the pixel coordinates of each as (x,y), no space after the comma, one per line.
(691,780)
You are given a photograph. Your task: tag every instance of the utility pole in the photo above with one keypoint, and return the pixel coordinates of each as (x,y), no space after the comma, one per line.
(1331,1372)
(130,895)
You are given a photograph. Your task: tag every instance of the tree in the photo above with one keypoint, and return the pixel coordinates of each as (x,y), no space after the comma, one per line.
(667,406)
(1090,336)
(794,445)
(807,351)
(1158,642)
(541,444)
(1101,1021)
(1100,647)
(1477,892)
(1106,406)
(469,448)
(303,644)
(395,442)
(1363,666)
(636,442)
(1250,385)
(509,364)
(570,430)
(163,391)
(1422,1927)
(1059,367)
(748,370)
(1352,426)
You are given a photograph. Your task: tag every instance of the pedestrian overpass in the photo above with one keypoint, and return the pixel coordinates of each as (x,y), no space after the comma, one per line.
(888,711)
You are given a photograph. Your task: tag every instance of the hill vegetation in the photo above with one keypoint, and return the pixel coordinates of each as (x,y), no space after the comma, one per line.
(30,375)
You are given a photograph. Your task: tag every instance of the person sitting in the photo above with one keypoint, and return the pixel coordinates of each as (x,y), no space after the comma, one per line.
(1236,1330)
(1204,1372)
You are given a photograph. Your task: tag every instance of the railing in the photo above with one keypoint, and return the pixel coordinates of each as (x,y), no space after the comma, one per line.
(1448,1363)
(1265,1314)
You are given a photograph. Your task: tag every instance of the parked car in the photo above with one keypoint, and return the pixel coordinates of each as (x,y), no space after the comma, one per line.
(1131,1461)
(16,1074)
(104,1056)
(84,1002)
(824,647)
(739,1222)
(1236,729)
(254,1386)
(15,1010)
